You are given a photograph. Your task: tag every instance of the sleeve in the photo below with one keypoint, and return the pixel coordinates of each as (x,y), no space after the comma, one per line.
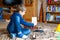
(17,24)
(26,23)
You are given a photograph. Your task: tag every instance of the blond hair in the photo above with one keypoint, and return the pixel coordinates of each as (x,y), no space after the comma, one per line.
(20,8)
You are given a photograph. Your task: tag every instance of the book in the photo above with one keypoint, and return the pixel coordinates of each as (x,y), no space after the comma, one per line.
(51,8)
(54,8)
(51,18)
(58,19)
(57,16)
(58,8)
(47,16)
(48,9)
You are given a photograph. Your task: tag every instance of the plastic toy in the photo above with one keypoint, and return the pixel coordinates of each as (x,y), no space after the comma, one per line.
(57,30)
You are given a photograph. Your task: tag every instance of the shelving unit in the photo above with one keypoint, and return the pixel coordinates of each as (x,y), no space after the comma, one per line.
(52,11)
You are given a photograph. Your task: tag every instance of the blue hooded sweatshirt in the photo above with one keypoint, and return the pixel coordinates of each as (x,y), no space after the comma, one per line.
(16,20)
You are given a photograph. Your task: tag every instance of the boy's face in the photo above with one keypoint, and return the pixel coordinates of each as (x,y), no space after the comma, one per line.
(22,13)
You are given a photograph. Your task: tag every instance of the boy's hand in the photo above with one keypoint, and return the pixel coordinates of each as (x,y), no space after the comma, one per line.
(35,27)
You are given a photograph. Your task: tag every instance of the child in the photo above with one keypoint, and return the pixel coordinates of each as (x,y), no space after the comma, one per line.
(14,27)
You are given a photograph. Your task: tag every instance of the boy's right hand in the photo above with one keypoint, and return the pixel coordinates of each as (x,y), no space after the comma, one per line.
(35,27)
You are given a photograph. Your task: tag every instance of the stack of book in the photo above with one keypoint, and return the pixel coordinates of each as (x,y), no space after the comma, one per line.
(50,1)
(53,8)
(49,17)
(58,18)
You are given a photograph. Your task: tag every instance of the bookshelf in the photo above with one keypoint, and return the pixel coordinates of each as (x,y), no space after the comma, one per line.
(53,11)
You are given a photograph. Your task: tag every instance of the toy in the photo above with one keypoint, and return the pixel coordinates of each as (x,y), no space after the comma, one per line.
(57,30)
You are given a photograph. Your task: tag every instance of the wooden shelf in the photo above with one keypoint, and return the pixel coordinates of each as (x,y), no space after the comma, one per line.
(53,22)
(54,3)
(56,13)
(53,12)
